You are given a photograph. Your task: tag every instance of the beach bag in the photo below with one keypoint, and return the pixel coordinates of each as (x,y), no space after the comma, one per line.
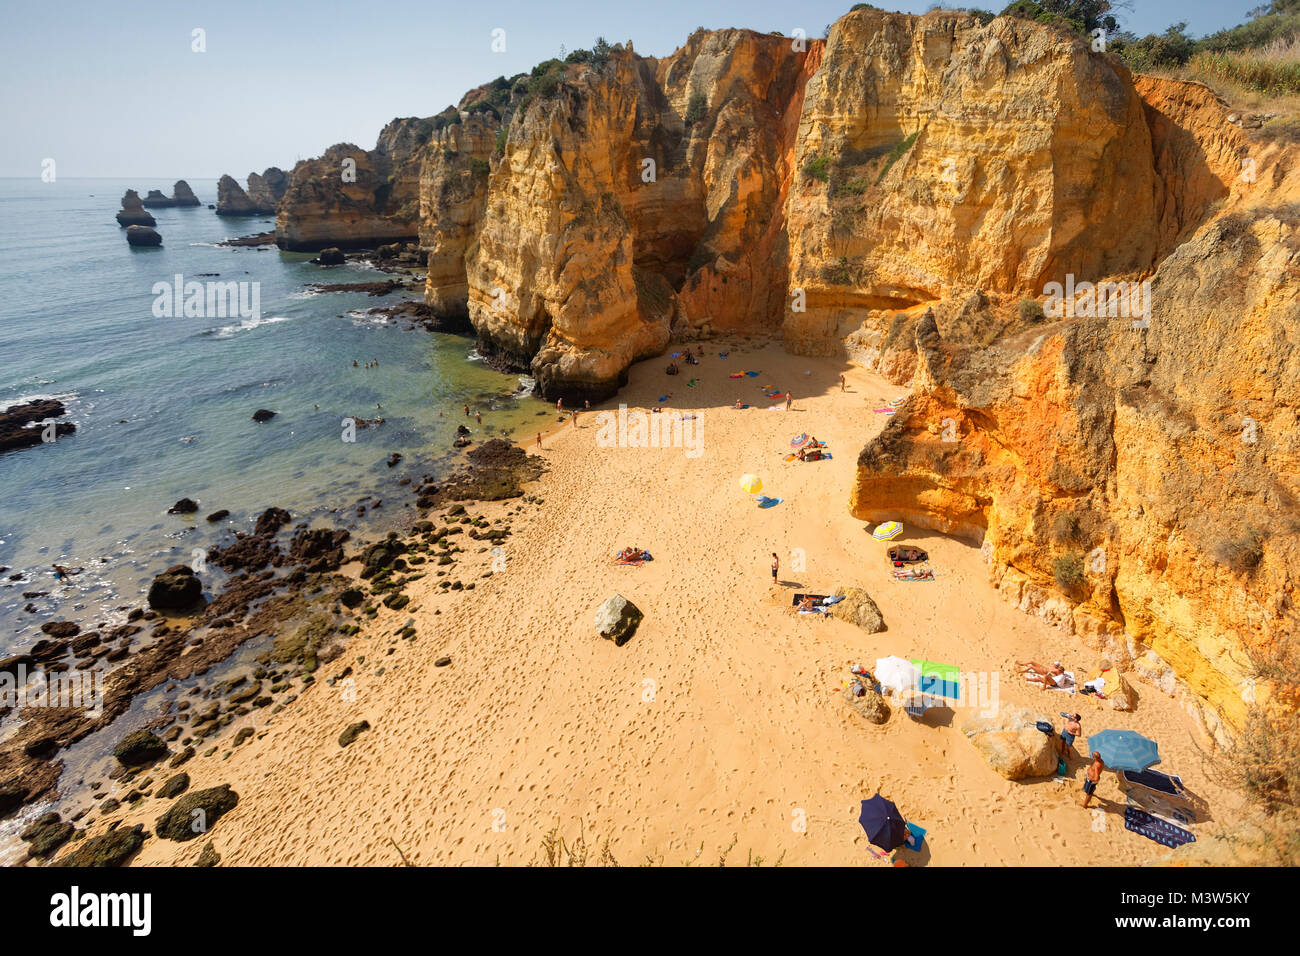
(1045,727)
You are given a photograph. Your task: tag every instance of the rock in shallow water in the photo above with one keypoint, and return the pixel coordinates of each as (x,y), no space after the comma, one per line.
(175,589)
(139,748)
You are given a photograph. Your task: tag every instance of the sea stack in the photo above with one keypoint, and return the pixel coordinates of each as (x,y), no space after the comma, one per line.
(263,195)
(133,212)
(181,195)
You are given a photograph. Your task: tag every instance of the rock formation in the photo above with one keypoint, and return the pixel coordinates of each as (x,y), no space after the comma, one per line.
(143,236)
(133,212)
(352,198)
(263,195)
(181,195)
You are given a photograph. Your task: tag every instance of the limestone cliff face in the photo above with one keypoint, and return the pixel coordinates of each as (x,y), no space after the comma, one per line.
(453,190)
(354,198)
(640,198)
(1138,487)
(951,156)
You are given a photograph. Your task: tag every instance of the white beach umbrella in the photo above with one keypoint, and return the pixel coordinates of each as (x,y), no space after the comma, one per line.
(896,674)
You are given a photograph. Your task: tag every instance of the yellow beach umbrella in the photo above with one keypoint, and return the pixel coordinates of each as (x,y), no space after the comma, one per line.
(887,531)
(751,484)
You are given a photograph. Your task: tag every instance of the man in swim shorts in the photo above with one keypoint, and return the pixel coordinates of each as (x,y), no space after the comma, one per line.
(1092,777)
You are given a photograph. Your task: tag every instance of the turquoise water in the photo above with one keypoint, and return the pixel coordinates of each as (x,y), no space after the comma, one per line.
(163,406)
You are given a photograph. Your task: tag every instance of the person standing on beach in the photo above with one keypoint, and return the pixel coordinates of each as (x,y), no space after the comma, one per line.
(789,400)
(574,418)
(1092,777)
(478,415)
(559,405)
(841,383)
(776,567)
(539,441)
(586,404)
(467,411)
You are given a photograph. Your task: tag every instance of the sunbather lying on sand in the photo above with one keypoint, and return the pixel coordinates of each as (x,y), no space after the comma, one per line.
(1054,676)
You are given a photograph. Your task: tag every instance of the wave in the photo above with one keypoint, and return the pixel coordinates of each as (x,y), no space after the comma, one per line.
(65,397)
(226,331)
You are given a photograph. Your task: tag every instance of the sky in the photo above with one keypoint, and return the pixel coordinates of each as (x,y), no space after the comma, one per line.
(118,90)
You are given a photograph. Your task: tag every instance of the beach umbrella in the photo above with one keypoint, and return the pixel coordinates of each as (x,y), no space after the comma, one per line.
(884,825)
(887,531)
(1124,749)
(751,484)
(896,673)
(798,440)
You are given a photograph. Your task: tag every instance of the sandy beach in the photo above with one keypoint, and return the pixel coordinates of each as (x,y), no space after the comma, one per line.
(719,728)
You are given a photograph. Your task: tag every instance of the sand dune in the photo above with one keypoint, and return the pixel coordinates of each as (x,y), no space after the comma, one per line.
(719,725)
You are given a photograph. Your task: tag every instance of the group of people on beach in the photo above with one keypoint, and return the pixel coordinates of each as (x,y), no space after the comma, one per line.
(1057,677)
(373,363)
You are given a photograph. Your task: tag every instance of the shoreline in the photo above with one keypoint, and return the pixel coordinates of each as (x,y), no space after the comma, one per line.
(539,725)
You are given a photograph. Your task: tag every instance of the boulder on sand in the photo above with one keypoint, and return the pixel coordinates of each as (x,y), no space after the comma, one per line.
(1123,696)
(1012,744)
(871,706)
(175,589)
(196,813)
(858,608)
(142,236)
(617,619)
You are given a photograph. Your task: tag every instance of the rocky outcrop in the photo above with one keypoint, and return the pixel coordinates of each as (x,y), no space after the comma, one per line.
(143,236)
(261,198)
(16,423)
(352,198)
(181,195)
(133,212)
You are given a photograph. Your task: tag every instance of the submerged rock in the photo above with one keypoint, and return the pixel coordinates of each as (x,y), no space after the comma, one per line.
(186,506)
(263,415)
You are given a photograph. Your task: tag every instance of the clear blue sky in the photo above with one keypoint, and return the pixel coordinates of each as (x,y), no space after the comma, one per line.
(113,89)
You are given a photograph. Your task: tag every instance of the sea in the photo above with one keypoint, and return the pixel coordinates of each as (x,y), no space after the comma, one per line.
(163,403)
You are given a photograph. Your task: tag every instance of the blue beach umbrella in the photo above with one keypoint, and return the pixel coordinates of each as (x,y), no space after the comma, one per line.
(1124,749)
(884,825)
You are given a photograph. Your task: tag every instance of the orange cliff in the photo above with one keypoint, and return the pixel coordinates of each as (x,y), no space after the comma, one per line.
(893,195)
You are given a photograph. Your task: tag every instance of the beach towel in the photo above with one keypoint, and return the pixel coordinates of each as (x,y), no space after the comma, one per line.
(1067,685)
(663,398)
(819,598)
(692,383)
(737,375)
(913,574)
(769,502)
(884,411)
(833,600)
(1169,811)
(723,354)
(1162,832)
(742,406)
(915,837)
(895,402)
(938,680)
(676,355)
(753,374)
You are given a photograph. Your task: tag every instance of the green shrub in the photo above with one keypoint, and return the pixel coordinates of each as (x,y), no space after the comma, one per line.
(1067,569)
(501,141)
(1029,310)
(896,153)
(1241,554)
(480,167)
(818,168)
(839,273)
(695,110)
